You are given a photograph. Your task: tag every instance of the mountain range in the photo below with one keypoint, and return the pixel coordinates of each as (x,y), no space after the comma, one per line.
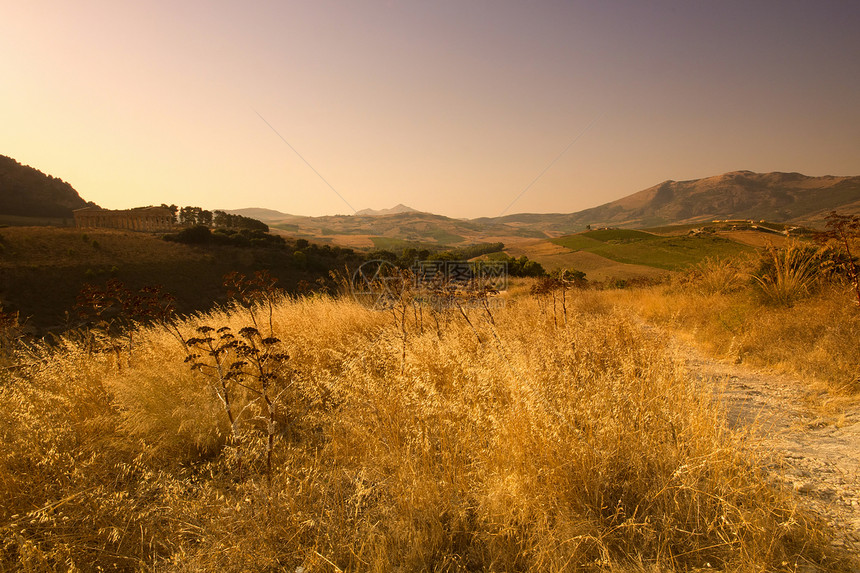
(779,197)
(396,210)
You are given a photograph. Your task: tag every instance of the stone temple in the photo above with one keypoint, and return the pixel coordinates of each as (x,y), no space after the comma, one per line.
(138,219)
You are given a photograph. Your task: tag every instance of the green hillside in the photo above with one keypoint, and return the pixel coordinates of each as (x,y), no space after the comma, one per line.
(641,248)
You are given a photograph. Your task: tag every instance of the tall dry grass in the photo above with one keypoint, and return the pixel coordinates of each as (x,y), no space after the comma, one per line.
(512,441)
(796,322)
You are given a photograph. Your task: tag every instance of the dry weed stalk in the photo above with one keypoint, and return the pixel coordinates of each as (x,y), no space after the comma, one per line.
(844,230)
(249,293)
(561,281)
(251,362)
(112,314)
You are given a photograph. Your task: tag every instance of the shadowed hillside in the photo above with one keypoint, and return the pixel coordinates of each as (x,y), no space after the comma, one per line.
(43,269)
(27,192)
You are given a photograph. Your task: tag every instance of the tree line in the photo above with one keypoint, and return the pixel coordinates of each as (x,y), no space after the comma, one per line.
(196,216)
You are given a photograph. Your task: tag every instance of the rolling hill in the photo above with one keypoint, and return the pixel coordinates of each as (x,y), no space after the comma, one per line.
(399,208)
(779,197)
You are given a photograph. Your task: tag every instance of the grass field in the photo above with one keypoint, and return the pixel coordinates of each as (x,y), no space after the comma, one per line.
(517,438)
(596,268)
(397,245)
(16,220)
(662,252)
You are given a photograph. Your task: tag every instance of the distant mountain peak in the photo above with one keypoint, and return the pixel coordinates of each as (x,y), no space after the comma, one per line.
(741,194)
(399,208)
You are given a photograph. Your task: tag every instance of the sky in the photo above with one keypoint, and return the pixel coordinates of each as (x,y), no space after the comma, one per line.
(465,108)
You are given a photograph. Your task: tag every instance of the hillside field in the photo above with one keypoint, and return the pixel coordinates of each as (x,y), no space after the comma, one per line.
(44,269)
(663,252)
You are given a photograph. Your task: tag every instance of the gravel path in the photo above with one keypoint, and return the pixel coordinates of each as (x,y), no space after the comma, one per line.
(819,455)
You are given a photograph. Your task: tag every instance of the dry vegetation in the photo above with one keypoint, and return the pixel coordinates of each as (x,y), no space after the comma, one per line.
(530,437)
(787,311)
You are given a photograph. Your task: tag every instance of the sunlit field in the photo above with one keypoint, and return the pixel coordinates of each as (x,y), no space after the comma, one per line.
(319,435)
(802,325)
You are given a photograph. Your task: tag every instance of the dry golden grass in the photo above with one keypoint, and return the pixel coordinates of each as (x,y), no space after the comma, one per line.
(815,338)
(505,443)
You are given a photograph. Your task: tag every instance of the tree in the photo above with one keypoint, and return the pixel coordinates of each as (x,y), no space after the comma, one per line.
(173,209)
(844,231)
(188,216)
(204,217)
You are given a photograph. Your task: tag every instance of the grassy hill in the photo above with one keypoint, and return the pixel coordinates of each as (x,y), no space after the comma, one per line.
(43,269)
(27,192)
(422,230)
(671,252)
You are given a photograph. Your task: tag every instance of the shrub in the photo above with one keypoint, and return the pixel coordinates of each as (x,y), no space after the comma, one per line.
(844,232)
(196,235)
(716,276)
(788,274)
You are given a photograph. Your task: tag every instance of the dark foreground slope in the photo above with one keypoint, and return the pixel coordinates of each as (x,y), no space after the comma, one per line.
(43,269)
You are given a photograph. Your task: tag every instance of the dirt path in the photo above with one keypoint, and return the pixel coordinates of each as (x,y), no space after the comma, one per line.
(819,455)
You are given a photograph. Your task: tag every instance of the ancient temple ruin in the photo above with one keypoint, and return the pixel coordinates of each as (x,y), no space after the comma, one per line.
(139,219)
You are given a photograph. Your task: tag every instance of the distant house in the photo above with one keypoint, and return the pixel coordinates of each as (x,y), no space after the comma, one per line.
(150,219)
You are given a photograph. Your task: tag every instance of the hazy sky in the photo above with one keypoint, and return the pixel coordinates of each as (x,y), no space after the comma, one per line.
(453,107)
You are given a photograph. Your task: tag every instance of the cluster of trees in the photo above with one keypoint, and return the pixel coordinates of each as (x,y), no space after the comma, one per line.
(196,216)
(203,235)
(302,255)
(517,267)
(522,266)
(410,255)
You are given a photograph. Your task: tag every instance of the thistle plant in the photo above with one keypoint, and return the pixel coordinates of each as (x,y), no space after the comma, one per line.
(259,367)
(250,365)
(209,353)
